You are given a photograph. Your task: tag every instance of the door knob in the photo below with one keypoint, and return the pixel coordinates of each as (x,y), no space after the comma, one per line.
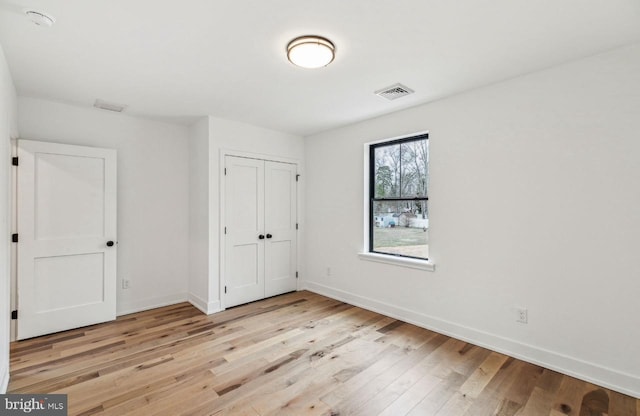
(109,243)
(269,236)
(261,237)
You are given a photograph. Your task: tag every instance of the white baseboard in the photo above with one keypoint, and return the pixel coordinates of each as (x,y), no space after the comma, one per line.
(4,379)
(206,307)
(150,303)
(590,372)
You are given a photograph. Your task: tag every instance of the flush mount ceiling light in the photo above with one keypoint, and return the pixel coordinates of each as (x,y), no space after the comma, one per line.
(39,18)
(311,52)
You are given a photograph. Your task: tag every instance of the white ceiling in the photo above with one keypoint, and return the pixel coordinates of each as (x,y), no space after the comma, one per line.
(177,60)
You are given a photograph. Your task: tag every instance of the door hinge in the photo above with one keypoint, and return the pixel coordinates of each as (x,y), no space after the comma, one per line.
(296,275)
(14,238)
(225,230)
(14,314)
(225,171)
(225,289)
(296,226)
(297,177)
(14,161)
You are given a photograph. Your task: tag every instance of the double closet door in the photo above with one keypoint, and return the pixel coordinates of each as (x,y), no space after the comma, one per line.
(260,222)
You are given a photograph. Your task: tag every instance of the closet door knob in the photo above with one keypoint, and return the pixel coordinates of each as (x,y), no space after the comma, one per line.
(261,237)
(109,243)
(269,236)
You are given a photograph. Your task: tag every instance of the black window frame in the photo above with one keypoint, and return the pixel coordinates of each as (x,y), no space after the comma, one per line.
(372,195)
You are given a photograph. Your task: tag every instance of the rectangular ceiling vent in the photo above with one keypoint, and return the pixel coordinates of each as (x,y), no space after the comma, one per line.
(395,91)
(109,106)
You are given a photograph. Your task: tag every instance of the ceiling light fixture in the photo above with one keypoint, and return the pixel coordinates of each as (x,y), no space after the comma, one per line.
(39,18)
(311,52)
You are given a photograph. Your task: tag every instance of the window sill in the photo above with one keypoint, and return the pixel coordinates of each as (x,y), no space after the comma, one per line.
(399,261)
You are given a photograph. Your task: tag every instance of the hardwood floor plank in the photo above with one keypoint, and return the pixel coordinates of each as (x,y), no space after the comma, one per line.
(622,405)
(458,404)
(541,398)
(432,402)
(411,397)
(160,401)
(476,383)
(569,398)
(352,384)
(595,403)
(430,364)
(273,382)
(297,354)
(318,379)
(492,395)
(375,388)
(520,390)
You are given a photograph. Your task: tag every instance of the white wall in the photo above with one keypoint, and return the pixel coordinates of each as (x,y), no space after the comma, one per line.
(153,196)
(534,203)
(8,131)
(199,273)
(225,135)
(240,137)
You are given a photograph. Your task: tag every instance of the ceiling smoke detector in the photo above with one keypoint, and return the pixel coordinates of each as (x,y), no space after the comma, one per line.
(103,105)
(394,92)
(40,18)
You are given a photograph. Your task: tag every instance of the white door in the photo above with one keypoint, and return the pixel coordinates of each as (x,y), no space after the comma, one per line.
(244,230)
(260,229)
(280,228)
(66,198)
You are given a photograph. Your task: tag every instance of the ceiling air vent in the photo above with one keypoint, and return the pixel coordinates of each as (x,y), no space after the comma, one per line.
(394,91)
(109,106)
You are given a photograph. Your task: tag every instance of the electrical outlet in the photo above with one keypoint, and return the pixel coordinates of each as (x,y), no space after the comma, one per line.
(522,315)
(125,284)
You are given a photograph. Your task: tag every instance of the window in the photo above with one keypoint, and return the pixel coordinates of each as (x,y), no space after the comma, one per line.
(398,183)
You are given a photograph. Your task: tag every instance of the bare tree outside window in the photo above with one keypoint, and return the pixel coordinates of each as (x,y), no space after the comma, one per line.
(399,219)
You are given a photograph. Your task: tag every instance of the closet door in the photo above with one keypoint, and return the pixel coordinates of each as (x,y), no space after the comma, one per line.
(244,223)
(260,229)
(280,228)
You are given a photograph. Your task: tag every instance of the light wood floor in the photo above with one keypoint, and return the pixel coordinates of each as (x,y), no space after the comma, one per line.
(296,354)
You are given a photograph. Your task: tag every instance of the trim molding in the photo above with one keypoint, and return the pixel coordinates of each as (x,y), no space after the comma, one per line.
(126,308)
(4,379)
(205,307)
(593,373)
(398,261)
